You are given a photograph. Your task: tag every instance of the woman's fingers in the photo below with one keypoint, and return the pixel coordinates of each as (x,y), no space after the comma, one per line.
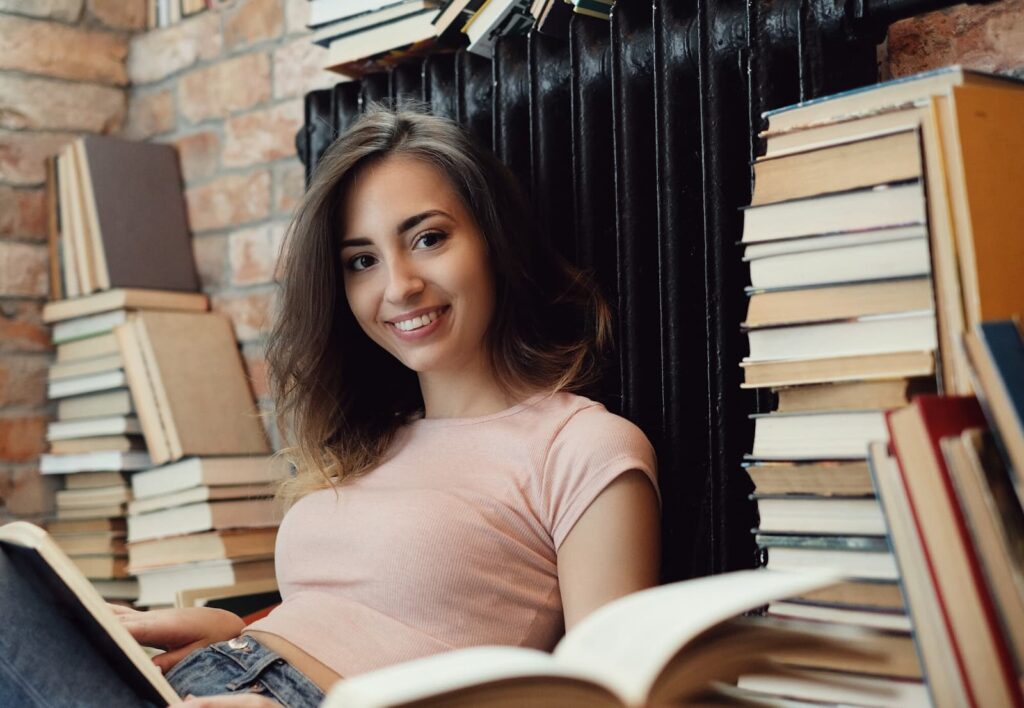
(169,659)
(121,610)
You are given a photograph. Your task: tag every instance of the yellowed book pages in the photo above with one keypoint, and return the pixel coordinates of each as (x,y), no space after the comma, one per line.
(124,299)
(69,259)
(878,160)
(83,249)
(143,398)
(93,235)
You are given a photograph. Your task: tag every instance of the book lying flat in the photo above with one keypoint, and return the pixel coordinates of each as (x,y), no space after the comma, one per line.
(204,516)
(792,372)
(32,554)
(195,547)
(123,299)
(210,471)
(92,427)
(94,462)
(662,646)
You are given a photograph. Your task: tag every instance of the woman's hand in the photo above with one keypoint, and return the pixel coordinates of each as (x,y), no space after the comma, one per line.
(179,631)
(238,700)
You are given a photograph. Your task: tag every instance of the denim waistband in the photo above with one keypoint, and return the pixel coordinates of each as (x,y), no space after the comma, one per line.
(243,665)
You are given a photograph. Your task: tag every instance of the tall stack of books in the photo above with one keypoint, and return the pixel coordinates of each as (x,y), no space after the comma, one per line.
(195,410)
(96,438)
(877,236)
(144,374)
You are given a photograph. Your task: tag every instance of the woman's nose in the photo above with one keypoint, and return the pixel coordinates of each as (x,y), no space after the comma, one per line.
(404,282)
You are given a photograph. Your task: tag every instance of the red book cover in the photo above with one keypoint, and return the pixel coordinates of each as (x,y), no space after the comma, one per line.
(939,417)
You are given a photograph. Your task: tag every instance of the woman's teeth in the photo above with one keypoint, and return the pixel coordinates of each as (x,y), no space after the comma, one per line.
(417,322)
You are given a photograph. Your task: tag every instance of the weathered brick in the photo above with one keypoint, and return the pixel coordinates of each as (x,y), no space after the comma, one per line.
(22,438)
(987,37)
(23,380)
(211,254)
(159,53)
(199,154)
(25,492)
(119,14)
(251,312)
(22,155)
(296,16)
(228,87)
(262,135)
(252,256)
(54,49)
(47,104)
(150,114)
(63,10)
(23,213)
(299,69)
(229,201)
(289,186)
(24,269)
(22,328)
(249,22)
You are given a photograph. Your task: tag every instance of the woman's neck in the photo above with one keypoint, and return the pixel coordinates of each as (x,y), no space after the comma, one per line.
(466,393)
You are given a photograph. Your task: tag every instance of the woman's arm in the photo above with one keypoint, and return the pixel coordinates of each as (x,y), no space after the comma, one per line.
(179,631)
(614,548)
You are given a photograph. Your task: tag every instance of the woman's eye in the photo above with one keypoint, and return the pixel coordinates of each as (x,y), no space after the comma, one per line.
(429,239)
(360,262)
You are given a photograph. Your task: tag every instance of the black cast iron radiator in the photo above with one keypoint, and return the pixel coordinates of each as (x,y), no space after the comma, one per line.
(634,138)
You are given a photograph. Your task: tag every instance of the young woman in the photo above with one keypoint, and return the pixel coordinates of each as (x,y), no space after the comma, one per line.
(451,490)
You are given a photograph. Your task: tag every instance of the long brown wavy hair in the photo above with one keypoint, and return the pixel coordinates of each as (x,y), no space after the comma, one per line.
(339,397)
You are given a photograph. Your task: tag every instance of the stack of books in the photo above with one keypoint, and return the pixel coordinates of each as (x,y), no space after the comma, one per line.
(951,492)
(195,409)
(199,523)
(364,36)
(877,216)
(97,438)
(144,374)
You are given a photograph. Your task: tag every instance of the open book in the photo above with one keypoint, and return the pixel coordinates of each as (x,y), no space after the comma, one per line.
(34,555)
(668,645)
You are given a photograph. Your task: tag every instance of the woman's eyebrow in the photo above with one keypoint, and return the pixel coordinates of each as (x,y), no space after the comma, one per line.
(402,227)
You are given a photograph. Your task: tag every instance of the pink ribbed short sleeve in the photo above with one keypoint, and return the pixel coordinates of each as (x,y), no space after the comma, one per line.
(591,450)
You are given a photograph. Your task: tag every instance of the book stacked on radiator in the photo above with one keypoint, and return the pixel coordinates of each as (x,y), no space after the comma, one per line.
(363,36)
(874,224)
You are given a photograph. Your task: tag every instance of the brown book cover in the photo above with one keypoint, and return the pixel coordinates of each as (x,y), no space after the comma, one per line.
(879,160)
(189,386)
(138,210)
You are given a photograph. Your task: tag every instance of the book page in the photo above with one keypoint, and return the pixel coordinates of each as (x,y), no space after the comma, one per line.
(630,640)
(27,536)
(443,673)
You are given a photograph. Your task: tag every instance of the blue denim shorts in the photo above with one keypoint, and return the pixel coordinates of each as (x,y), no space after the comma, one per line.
(243,665)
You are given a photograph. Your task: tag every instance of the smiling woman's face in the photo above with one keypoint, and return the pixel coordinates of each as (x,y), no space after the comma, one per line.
(415,266)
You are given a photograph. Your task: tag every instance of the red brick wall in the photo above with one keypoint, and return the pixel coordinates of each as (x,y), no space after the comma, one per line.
(62,73)
(224,86)
(988,37)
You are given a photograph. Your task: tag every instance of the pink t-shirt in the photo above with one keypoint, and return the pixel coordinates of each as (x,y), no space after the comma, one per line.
(452,541)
